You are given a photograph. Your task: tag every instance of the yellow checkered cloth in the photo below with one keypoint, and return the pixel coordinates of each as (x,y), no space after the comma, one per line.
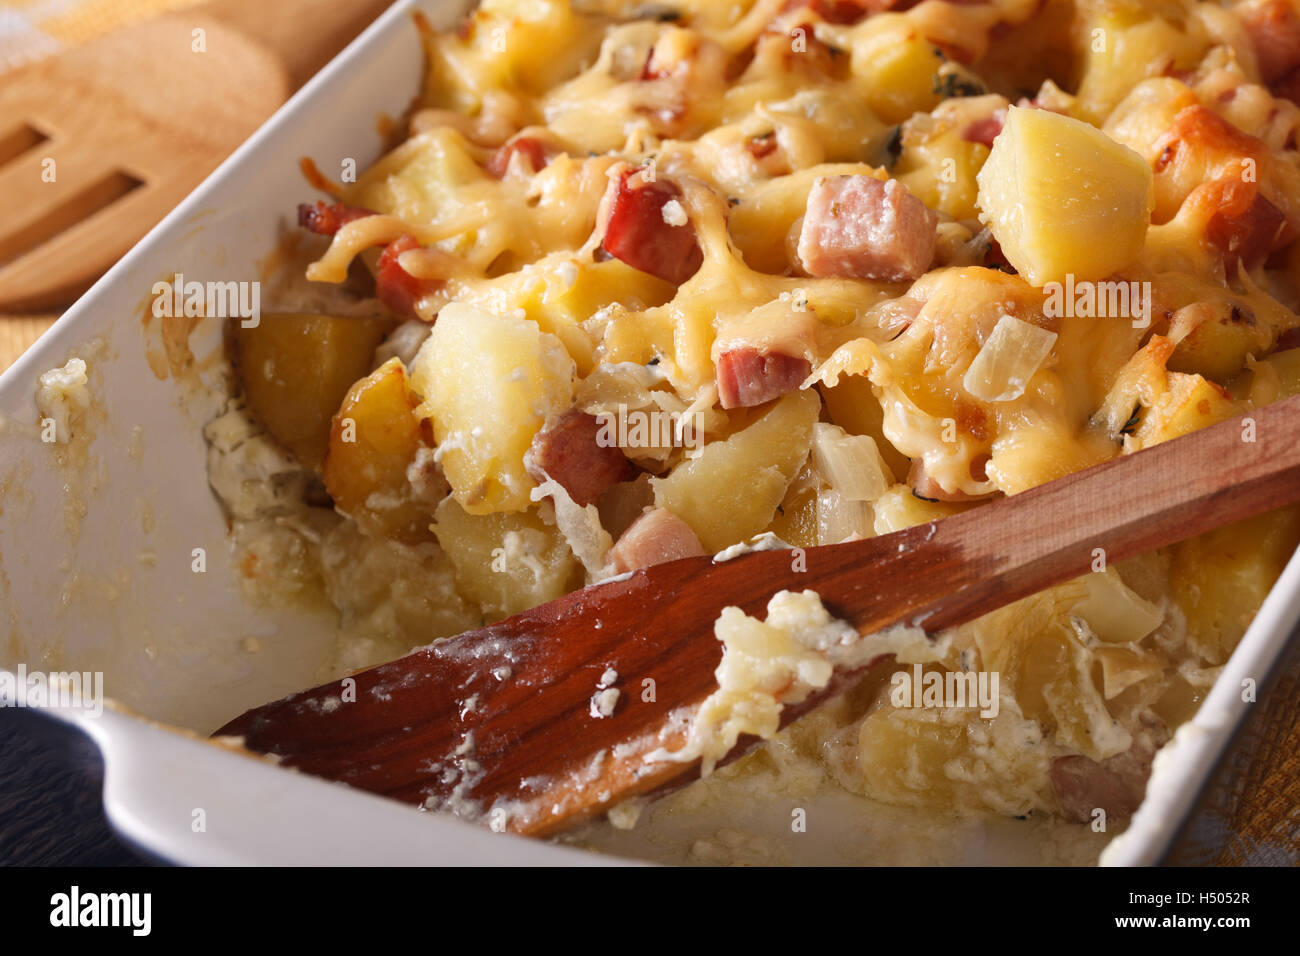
(32,29)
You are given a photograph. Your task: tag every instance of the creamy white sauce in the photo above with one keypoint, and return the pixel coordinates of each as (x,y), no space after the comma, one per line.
(62,396)
(766,541)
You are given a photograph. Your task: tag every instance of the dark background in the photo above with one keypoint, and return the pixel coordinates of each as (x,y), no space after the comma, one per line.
(50,809)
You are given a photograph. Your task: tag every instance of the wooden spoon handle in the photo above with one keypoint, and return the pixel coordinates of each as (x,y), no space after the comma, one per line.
(1013,548)
(303,34)
(518,693)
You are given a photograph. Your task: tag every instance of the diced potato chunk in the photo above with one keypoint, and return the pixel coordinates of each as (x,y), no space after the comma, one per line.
(1273,378)
(940,171)
(1042,661)
(1221,578)
(730,492)
(373,441)
(295,370)
(507,563)
(1063,198)
(895,68)
(898,508)
(1287,366)
(489,384)
(796,521)
(949,758)
(1191,403)
(530,42)
(1221,336)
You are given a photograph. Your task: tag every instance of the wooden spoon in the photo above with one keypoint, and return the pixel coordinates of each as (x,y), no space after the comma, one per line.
(99,143)
(502,716)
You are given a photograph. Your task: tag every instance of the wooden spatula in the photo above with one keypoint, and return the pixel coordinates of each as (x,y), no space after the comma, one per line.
(99,143)
(501,718)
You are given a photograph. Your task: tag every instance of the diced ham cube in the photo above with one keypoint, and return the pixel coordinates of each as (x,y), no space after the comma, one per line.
(325,218)
(569,450)
(397,288)
(654,538)
(1083,785)
(645,236)
(860,227)
(1116,785)
(748,376)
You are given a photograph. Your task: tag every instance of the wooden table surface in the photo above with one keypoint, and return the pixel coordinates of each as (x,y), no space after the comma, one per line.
(18,332)
(1249,815)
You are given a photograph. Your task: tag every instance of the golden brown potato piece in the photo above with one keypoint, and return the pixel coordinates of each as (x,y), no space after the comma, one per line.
(295,370)
(506,562)
(731,490)
(373,441)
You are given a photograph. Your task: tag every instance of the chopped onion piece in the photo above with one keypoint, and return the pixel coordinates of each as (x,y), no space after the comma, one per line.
(839,519)
(579,525)
(1008,360)
(1114,612)
(850,464)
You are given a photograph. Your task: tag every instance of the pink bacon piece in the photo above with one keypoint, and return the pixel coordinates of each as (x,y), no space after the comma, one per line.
(860,227)
(397,288)
(569,450)
(325,219)
(638,233)
(1116,785)
(986,129)
(656,537)
(748,376)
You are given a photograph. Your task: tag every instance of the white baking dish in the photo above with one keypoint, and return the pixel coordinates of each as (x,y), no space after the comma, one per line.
(169,640)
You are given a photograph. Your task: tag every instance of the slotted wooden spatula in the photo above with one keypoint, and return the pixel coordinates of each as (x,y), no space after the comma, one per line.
(99,143)
(498,723)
